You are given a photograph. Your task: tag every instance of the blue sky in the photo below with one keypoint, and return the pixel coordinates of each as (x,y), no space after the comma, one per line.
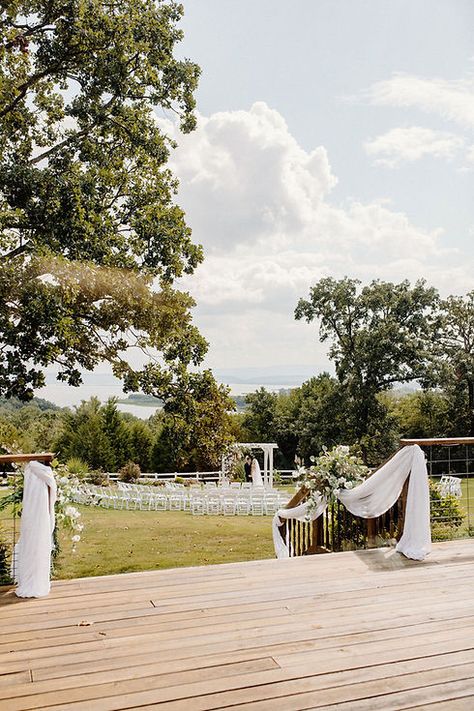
(334,138)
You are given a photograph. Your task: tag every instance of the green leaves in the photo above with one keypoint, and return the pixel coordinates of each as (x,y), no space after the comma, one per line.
(91,239)
(379,335)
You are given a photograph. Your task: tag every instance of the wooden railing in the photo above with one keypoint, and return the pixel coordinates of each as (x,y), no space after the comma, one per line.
(337,529)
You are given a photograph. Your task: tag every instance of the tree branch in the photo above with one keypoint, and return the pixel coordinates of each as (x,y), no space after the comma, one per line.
(21,249)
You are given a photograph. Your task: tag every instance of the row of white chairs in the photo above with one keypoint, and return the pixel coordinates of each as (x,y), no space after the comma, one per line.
(226,501)
(450,485)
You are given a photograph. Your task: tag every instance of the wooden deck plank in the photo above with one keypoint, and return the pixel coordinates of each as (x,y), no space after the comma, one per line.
(460,704)
(352,693)
(300,633)
(377,617)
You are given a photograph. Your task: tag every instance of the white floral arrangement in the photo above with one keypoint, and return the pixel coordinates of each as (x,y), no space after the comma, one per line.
(67,515)
(333,470)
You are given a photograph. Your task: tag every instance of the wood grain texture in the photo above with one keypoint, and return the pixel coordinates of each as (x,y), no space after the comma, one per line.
(349,631)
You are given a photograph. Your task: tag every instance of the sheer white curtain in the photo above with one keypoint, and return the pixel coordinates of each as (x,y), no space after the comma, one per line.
(33,551)
(375,496)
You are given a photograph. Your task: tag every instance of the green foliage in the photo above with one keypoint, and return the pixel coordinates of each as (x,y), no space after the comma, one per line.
(379,335)
(447,514)
(30,428)
(97,477)
(321,411)
(14,403)
(130,472)
(117,433)
(421,414)
(77,466)
(195,424)
(141,443)
(84,436)
(5,577)
(14,498)
(91,239)
(260,415)
(332,470)
(454,367)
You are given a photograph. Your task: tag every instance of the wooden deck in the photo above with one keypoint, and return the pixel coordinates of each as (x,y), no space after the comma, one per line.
(351,631)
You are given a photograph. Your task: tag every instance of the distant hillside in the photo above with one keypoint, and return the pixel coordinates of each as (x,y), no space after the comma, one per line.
(15,404)
(141,399)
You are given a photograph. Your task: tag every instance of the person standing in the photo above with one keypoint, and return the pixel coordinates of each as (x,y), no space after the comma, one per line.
(256,473)
(248,468)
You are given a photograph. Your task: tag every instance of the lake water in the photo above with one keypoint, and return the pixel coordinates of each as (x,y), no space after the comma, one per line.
(66,396)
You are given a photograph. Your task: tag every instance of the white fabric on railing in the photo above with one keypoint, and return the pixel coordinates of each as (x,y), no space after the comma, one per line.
(32,554)
(375,496)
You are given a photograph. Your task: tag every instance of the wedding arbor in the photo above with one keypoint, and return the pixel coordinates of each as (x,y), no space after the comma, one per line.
(266,447)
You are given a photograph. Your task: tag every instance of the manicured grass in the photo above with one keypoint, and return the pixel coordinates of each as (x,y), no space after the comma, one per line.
(125,541)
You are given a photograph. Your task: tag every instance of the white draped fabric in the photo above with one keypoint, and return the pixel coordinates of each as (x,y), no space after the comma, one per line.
(256,473)
(33,551)
(375,496)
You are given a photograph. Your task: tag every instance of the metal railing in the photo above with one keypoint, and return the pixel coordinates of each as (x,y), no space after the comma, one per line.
(450,463)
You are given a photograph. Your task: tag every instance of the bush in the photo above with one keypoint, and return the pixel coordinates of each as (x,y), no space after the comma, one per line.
(130,472)
(447,514)
(98,478)
(77,466)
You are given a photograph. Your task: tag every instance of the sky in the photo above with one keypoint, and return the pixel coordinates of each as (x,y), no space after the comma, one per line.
(334,138)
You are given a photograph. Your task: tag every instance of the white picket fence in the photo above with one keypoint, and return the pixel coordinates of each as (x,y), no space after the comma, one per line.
(210,499)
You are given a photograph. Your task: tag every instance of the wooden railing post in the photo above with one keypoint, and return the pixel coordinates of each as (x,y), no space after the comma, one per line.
(371,533)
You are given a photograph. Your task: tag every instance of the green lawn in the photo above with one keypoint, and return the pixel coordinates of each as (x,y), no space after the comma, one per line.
(125,541)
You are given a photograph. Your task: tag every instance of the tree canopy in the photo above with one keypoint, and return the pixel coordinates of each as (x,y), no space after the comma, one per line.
(454,367)
(379,335)
(91,239)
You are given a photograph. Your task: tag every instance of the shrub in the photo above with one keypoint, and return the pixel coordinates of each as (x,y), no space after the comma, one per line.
(130,472)
(98,478)
(77,466)
(447,514)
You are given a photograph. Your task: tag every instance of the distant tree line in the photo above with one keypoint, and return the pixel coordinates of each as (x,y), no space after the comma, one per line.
(380,336)
(106,439)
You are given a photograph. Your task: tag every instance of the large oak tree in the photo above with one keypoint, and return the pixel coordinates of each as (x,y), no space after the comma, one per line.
(91,239)
(379,335)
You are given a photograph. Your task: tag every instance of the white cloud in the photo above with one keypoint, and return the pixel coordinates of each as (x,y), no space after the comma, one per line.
(412,143)
(470,155)
(260,205)
(251,170)
(449,98)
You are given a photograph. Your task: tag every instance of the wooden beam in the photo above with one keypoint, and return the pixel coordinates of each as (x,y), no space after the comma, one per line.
(438,440)
(19,458)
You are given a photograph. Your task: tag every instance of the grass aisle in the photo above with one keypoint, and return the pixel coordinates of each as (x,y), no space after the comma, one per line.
(126,541)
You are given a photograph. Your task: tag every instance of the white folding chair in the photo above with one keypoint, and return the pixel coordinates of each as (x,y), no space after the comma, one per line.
(198,506)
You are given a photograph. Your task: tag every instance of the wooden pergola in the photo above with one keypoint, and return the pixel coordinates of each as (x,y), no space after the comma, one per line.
(267,448)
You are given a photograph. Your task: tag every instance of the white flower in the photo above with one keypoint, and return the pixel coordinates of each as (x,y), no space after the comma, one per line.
(75,539)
